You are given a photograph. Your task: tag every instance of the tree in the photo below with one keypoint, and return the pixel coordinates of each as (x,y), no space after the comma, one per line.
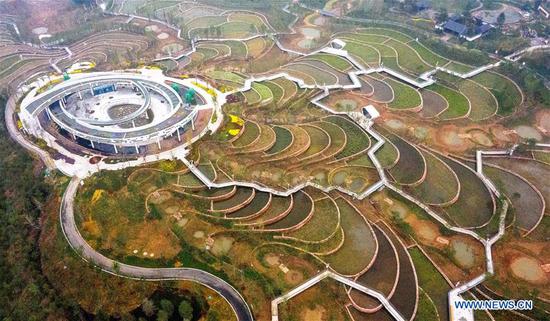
(443,15)
(501,19)
(167,306)
(185,310)
(212,316)
(162,316)
(148,307)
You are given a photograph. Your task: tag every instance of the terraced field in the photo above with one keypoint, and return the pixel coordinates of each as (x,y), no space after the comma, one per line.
(275,137)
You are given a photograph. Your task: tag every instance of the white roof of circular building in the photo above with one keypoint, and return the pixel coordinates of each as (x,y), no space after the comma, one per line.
(108,131)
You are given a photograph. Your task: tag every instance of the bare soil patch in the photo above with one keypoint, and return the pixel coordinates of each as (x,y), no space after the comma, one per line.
(528,269)
(163,36)
(543,121)
(272,259)
(294,277)
(449,137)
(315,314)
(481,137)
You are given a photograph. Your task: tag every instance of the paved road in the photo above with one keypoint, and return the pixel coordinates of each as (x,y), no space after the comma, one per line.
(78,243)
(16,135)
(70,230)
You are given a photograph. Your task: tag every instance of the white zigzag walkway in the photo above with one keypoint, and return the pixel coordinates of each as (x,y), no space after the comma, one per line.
(425,80)
(455,294)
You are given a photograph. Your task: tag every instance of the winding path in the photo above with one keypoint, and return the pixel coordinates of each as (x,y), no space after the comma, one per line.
(77,242)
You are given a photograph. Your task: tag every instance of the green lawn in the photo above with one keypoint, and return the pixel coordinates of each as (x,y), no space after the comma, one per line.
(405,97)
(263,90)
(357,140)
(458,103)
(238,49)
(365,37)
(248,18)
(251,132)
(484,104)
(459,67)
(207,53)
(252,96)
(431,281)
(323,224)
(289,87)
(365,53)
(276,90)
(204,22)
(225,75)
(387,32)
(428,55)
(320,77)
(505,91)
(335,62)
(408,58)
(238,29)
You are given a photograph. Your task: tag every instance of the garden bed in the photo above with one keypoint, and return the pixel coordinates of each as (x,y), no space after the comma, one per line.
(441,186)
(357,140)
(475,204)
(433,104)
(411,166)
(254,208)
(301,210)
(323,224)
(359,245)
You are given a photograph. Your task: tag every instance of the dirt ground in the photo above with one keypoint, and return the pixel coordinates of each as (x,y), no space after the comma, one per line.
(519,265)
(543,121)
(45,14)
(450,137)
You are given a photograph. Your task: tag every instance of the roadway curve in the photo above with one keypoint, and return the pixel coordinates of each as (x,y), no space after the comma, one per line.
(77,242)
(16,135)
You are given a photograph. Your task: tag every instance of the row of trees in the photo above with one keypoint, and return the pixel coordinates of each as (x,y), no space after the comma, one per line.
(166,310)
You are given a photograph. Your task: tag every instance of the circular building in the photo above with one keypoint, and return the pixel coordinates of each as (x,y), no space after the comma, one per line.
(113,113)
